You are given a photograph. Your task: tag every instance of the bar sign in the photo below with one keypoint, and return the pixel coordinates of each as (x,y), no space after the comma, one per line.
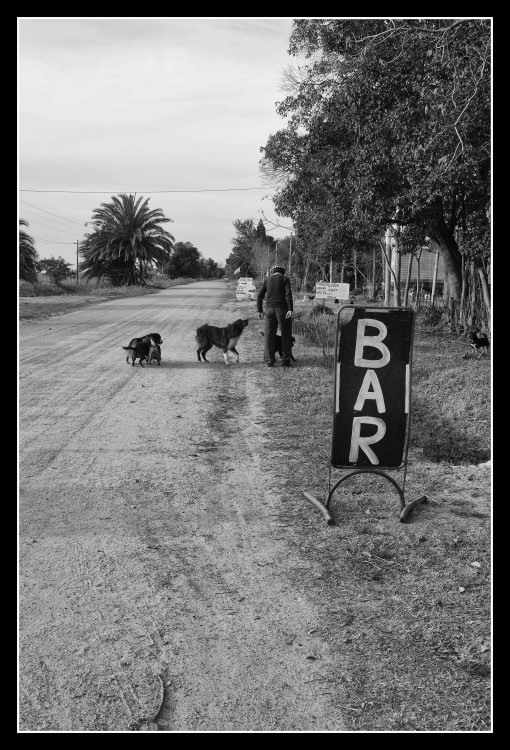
(372,387)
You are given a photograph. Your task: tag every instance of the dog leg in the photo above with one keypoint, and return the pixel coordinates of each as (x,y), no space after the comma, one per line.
(225,356)
(233,349)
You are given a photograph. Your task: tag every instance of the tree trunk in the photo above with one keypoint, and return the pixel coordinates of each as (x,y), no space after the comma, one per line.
(342,270)
(354,260)
(472,296)
(397,262)
(408,280)
(434,280)
(373,271)
(418,280)
(464,293)
(387,268)
(485,291)
(442,240)
(305,275)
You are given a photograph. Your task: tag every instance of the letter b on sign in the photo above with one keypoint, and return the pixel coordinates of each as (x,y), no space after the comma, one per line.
(362,340)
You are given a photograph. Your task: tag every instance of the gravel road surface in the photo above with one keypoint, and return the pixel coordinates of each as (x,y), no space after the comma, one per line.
(155,588)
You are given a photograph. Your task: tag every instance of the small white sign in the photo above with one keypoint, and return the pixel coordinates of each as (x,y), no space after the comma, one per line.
(244,281)
(326,290)
(245,288)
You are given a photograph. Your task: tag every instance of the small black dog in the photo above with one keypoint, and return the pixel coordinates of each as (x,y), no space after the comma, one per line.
(144,348)
(155,353)
(157,341)
(278,345)
(479,343)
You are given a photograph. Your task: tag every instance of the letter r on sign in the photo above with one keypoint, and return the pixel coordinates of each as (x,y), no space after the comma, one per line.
(358,442)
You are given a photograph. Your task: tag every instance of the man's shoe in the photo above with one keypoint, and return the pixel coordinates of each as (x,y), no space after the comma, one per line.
(270,364)
(285,362)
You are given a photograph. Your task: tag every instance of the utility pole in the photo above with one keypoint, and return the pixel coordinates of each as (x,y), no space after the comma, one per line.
(77,246)
(290,253)
(387,266)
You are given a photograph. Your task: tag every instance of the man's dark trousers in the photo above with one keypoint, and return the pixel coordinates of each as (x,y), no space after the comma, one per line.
(276,316)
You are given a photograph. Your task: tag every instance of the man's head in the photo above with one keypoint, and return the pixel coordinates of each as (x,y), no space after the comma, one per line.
(278,269)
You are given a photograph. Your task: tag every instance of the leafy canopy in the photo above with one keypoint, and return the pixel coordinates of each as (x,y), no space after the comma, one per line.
(57,269)
(388,121)
(127,238)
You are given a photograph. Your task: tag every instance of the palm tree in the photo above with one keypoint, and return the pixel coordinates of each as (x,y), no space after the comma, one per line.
(28,257)
(127,239)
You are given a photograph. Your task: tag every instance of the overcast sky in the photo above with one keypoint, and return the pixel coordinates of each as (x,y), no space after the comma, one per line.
(110,105)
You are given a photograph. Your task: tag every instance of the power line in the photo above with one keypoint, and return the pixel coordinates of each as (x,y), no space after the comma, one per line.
(51,242)
(150,192)
(54,229)
(49,212)
(28,211)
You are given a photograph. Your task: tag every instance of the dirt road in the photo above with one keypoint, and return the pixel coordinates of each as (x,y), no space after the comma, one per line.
(155,591)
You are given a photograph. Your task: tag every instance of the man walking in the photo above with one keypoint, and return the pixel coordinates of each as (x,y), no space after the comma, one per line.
(279,307)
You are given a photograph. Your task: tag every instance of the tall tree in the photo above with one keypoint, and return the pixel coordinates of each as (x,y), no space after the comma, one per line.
(185,261)
(58,269)
(388,122)
(126,240)
(28,257)
(242,251)
(261,231)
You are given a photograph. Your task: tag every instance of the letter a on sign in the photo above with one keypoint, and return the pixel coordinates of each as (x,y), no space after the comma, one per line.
(372,387)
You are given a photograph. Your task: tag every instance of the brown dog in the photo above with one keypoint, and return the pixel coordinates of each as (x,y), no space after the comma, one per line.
(224,338)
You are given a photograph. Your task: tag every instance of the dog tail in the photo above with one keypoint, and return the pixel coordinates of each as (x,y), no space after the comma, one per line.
(199,338)
(129,347)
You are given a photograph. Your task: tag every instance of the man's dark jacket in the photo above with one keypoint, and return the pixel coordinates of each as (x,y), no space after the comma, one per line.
(279,293)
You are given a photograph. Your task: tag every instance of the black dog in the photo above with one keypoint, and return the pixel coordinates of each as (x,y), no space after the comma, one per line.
(142,348)
(479,342)
(157,341)
(155,353)
(278,345)
(224,338)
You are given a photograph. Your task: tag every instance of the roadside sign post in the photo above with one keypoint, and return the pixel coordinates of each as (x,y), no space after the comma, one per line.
(372,397)
(245,288)
(327,290)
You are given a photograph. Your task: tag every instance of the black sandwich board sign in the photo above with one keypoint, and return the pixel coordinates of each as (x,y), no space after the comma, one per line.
(372,401)
(372,387)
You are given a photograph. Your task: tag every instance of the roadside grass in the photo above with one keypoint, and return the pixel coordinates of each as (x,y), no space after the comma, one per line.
(405,608)
(43,299)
